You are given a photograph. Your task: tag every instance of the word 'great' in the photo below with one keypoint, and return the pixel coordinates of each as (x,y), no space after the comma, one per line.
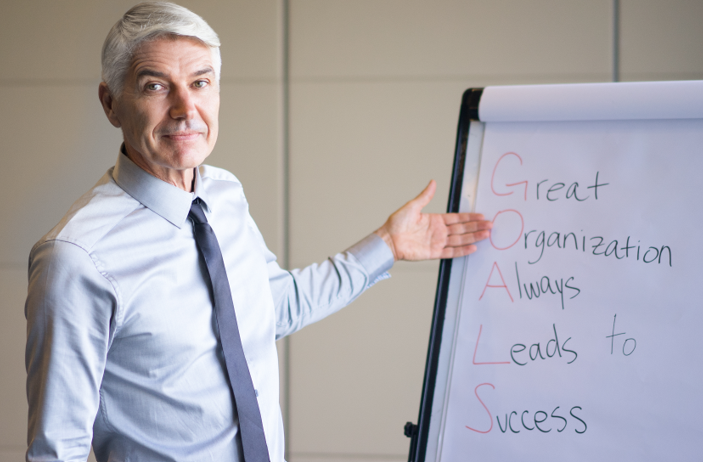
(551,191)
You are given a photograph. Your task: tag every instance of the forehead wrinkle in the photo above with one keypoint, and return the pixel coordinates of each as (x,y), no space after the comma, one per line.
(151,54)
(146,64)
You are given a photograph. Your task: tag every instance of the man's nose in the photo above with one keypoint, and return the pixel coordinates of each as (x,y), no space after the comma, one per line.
(182,104)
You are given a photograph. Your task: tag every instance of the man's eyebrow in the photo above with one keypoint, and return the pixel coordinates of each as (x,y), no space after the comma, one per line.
(205,70)
(153,73)
(150,73)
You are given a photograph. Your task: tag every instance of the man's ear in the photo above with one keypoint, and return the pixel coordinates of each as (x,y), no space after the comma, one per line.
(108,102)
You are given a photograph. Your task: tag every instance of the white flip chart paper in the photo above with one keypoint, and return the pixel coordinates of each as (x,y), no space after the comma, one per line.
(579,324)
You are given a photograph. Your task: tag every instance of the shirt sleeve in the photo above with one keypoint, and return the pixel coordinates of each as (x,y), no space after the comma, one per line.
(307,295)
(70,312)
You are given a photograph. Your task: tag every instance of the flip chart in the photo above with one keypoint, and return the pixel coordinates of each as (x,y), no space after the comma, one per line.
(574,333)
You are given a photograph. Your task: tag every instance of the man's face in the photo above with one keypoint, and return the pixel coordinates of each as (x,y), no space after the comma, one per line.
(168,108)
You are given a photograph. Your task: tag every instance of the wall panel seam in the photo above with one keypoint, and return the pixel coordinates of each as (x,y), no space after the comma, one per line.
(616,40)
(285,194)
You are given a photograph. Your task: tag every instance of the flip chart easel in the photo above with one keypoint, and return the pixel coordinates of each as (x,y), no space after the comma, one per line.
(574,333)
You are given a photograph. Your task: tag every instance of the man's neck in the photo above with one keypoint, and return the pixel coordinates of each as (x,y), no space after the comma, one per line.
(183,179)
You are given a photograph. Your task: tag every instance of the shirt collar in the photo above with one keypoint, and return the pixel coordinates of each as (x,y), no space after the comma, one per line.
(166,200)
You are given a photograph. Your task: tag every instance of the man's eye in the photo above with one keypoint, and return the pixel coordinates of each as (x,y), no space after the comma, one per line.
(200,84)
(153,86)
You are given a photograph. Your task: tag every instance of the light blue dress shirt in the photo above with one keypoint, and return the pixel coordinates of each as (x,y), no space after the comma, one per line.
(122,346)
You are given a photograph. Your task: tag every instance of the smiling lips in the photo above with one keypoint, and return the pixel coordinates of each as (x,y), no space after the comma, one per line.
(182,136)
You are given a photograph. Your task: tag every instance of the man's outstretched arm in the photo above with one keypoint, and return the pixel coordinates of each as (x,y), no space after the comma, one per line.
(303,296)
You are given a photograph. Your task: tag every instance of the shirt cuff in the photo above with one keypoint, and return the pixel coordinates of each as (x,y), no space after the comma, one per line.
(375,256)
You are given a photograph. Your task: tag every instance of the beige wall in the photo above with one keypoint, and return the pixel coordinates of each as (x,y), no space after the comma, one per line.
(374,88)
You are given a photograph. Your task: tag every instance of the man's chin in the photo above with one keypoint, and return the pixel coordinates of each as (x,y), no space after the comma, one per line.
(186,158)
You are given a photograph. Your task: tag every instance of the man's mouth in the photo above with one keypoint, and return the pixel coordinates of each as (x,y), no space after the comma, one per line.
(182,136)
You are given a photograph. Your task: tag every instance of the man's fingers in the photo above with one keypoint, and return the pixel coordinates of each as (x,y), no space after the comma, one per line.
(469,227)
(454,252)
(452,218)
(459,240)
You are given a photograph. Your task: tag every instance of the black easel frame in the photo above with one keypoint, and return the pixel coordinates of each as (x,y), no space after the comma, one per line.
(418,434)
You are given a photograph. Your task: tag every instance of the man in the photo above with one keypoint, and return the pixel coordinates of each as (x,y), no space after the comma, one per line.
(130,342)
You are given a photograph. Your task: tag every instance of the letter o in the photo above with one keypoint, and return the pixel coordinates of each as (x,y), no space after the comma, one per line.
(644,258)
(522,228)
(633,346)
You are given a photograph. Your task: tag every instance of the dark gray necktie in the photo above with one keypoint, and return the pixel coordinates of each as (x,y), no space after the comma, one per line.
(251,428)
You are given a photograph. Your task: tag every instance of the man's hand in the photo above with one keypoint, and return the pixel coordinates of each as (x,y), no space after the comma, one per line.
(413,235)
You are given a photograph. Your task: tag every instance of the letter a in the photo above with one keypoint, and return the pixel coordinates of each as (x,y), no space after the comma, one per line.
(496,286)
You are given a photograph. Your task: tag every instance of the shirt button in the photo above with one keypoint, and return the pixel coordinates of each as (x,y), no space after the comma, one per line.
(256,392)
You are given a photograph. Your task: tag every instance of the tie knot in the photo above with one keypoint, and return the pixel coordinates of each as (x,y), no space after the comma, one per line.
(196,212)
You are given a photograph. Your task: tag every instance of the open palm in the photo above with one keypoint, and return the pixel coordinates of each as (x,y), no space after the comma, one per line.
(413,235)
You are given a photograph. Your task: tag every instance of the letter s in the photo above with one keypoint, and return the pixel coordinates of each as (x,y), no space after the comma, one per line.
(575,417)
(490,417)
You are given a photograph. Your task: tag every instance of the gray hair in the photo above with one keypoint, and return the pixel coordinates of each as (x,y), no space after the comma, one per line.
(148,21)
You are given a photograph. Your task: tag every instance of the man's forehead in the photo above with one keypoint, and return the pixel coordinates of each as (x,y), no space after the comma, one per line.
(168,53)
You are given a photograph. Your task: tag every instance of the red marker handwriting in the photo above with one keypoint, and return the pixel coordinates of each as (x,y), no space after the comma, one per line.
(496,286)
(476,349)
(484,406)
(507,184)
(519,235)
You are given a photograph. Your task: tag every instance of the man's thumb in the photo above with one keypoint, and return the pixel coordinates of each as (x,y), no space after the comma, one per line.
(426,195)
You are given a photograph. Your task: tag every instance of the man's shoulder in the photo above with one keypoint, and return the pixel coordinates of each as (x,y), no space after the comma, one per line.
(93,215)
